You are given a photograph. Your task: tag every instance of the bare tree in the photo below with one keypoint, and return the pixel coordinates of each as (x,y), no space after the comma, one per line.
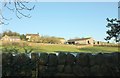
(16,6)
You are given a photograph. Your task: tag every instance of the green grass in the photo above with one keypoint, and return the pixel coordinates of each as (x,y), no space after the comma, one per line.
(97,49)
(65,48)
(55,48)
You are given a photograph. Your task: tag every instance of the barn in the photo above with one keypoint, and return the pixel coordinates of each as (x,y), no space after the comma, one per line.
(82,41)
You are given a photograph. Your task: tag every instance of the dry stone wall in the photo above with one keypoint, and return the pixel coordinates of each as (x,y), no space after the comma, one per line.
(61,64)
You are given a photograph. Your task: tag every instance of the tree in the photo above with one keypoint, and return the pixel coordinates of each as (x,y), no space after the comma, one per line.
(10,33)
(51,40)
(114,29)
(16,6)
(23,37)
(0,35)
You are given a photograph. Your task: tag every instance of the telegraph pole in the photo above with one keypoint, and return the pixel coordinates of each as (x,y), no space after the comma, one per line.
(119,10)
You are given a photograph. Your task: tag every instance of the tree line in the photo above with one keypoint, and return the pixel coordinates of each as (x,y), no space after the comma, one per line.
(46,39)
(37,39)
(11,33)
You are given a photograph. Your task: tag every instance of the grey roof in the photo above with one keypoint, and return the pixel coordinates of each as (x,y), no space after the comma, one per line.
(32,34)
(14,37)
(79,39)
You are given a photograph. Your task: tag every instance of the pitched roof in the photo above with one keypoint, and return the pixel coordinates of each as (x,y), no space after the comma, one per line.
(79,39)
(60,38)
(32,34)
(12,37)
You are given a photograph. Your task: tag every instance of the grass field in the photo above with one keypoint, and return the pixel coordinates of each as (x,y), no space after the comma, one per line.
(63,48)
(96,49)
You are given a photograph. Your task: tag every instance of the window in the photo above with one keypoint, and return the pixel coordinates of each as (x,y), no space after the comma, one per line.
(98,42)
(88,42)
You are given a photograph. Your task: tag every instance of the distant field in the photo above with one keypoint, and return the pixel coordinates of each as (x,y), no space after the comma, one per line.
(66,48)
(63,48)
(96,49)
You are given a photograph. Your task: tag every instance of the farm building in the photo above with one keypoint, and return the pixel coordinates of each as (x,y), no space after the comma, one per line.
(62,40)
(32,36)
(83,41)
(11,38)
(102,43)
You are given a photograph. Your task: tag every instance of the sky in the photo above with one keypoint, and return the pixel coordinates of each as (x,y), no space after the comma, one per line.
(65,19)
(64,0)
